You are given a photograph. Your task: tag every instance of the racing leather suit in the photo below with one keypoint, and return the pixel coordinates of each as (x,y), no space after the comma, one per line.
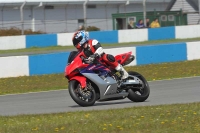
(94,47)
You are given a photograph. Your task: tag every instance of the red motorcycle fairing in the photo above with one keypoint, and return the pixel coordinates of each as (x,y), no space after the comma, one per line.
(80,79)
(121,58)
(77,63)
(71,70)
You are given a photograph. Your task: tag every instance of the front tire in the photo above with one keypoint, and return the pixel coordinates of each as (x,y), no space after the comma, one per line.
(83,97)
(139,94)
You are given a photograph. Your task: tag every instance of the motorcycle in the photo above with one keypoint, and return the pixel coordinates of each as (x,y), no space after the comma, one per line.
(96,81)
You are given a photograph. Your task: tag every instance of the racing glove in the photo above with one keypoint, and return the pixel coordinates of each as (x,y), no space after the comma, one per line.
(93,57)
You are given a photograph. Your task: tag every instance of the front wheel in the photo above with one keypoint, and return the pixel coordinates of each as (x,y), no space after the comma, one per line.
(139,94)
(83,97)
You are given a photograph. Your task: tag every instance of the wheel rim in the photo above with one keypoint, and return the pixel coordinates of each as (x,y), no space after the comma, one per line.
(85,94)
(141,90)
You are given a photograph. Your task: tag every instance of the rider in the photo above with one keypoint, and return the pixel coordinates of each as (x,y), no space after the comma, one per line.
(90,47)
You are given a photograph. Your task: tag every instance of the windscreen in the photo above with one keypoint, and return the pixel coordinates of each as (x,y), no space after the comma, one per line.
(72,55)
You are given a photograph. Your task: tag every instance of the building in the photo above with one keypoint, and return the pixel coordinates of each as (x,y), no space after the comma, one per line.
(166,18)
(53,16)
(190,7)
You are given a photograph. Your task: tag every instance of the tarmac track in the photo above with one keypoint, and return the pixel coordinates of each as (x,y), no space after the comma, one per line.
(184,90)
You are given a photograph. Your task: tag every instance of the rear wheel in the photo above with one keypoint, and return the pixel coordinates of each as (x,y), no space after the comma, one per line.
(139,94)
(83,97)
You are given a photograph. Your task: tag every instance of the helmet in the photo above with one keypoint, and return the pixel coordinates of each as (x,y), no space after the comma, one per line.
(80,38)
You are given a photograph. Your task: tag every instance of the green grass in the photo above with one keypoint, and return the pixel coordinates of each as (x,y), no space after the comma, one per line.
(58,81)
(63,48)
(37,49)
(177,118)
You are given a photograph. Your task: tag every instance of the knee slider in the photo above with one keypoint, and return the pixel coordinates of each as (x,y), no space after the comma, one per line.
(111,58)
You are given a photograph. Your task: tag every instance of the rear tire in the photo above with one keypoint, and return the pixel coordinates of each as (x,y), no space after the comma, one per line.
(144,92)
(75,92)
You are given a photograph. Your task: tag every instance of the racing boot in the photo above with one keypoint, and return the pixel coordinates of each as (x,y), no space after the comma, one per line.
(122,71)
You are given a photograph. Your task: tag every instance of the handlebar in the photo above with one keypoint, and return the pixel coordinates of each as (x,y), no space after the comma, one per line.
(94,56)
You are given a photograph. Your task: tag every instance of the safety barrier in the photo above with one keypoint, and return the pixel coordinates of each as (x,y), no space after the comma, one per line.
(14,66)
(120,36)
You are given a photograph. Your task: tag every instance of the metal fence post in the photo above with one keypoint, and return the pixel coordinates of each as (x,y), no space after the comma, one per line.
(144,12)
(199,11)
(22,17)
(84,14)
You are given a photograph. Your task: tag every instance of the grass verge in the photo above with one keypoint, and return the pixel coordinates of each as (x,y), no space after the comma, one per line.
(63,48)
(177,118)
(58,81)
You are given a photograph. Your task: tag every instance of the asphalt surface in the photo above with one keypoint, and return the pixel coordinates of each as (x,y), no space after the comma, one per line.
(184,90)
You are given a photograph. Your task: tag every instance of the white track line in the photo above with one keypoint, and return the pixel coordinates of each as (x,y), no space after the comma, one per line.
(176,78)
(66,89)
(31,92)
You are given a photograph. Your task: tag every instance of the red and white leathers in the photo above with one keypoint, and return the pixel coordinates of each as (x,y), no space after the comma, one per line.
(94,47)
